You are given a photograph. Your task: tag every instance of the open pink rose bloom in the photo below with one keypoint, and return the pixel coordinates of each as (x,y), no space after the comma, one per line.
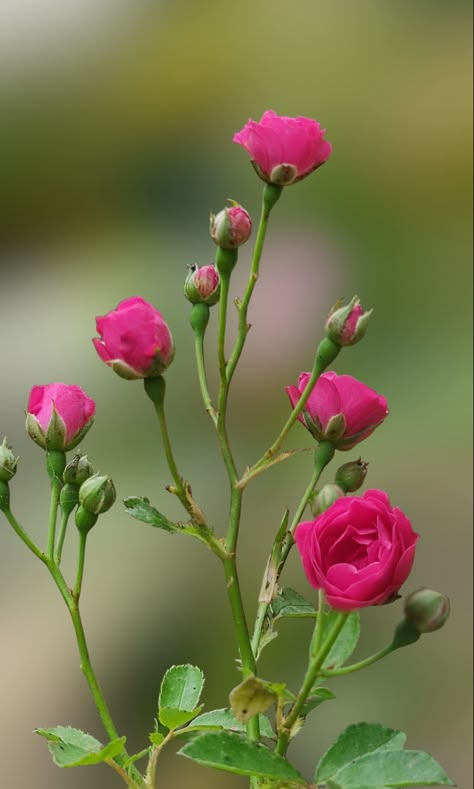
(134,339)
(359,551)
(284,150)
(59,415)
(340,408)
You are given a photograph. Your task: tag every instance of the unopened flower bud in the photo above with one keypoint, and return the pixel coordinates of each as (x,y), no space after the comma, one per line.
(202,285)
(426,610)
(231,227)
(78,470)
(350,476)
(335,428)
(347,325)
(97,494)
(8,462)
(326,497)
(68,498)
(85,520)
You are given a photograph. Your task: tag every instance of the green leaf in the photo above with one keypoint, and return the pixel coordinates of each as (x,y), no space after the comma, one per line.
(355,741)
(290,603)
(72,747)
(156,737)
(234,753)
(180,690)
(346,641)
(224,719)
(318,695)
(250,697)
(333,785)
(140,508)
(393,769)
(172,718)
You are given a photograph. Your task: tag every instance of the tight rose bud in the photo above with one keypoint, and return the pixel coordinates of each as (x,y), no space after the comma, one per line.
(231,227)
(359,551)
(426,610)
(8,462)
(202,285)
(78,470)
(350,476)
(58,416)
(328,494)
(284,150)
(97,494)
(347,325)
(339,409)
(134,340)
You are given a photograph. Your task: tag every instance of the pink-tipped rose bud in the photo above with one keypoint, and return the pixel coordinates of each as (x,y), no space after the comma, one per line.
(231,227)
(347,325)
(426,610)
(284,150)
(359,551)
(134,340)
(59,416)
(339,409)
(202,285)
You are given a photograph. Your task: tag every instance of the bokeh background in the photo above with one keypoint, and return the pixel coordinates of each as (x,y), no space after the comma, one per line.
(116,123)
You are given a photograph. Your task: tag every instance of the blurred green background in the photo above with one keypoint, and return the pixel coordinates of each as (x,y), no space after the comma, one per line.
(116,124)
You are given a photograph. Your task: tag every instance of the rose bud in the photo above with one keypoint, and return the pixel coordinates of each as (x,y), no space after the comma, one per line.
(426,610)
(97,494)
(328,494)
(350,476)
(58,416)
(359,551)
(339,409)
(284,150)
(69,497)
(202,285)
(8,462)
(134,340)
(78,470)
(347,325)
(231,227)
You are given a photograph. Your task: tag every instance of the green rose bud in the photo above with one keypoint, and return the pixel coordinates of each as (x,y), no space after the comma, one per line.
(97,494)
(350,476)
(78,470)
(8,462)
(426,610)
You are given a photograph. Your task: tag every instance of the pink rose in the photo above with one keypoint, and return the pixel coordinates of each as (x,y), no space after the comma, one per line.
(360,551)
(59,416)
(283,150)
(340,409)
(134,340)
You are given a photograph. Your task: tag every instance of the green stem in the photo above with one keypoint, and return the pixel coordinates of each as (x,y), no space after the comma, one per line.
(326,353)
(24,536)
(201,370)
(123,774)
(318,654)
(323,456)
(223,304)
(337,672)
(271,193)
(53,513)
(80,565)
(61,537)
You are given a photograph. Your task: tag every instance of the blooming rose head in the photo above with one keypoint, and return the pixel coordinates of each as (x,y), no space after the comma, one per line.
(231,227)
(340,409)
(202,285)
(134,340)
(360,551)
(58,416)
(284,150)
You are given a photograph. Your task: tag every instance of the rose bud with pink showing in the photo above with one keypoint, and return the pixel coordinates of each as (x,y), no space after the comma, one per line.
(359,552)
(284,150)
(202,285)
(339,409)
(134,340)
(347,325)
(58,416)
(231,227)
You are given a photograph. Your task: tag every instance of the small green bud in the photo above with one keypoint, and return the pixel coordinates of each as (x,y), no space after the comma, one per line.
(69,497)
(350,476)
(347,325)
(97,494)
(78,470)
(8,462)
(335,428)
(326,497)
(85,520)
(426,610)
